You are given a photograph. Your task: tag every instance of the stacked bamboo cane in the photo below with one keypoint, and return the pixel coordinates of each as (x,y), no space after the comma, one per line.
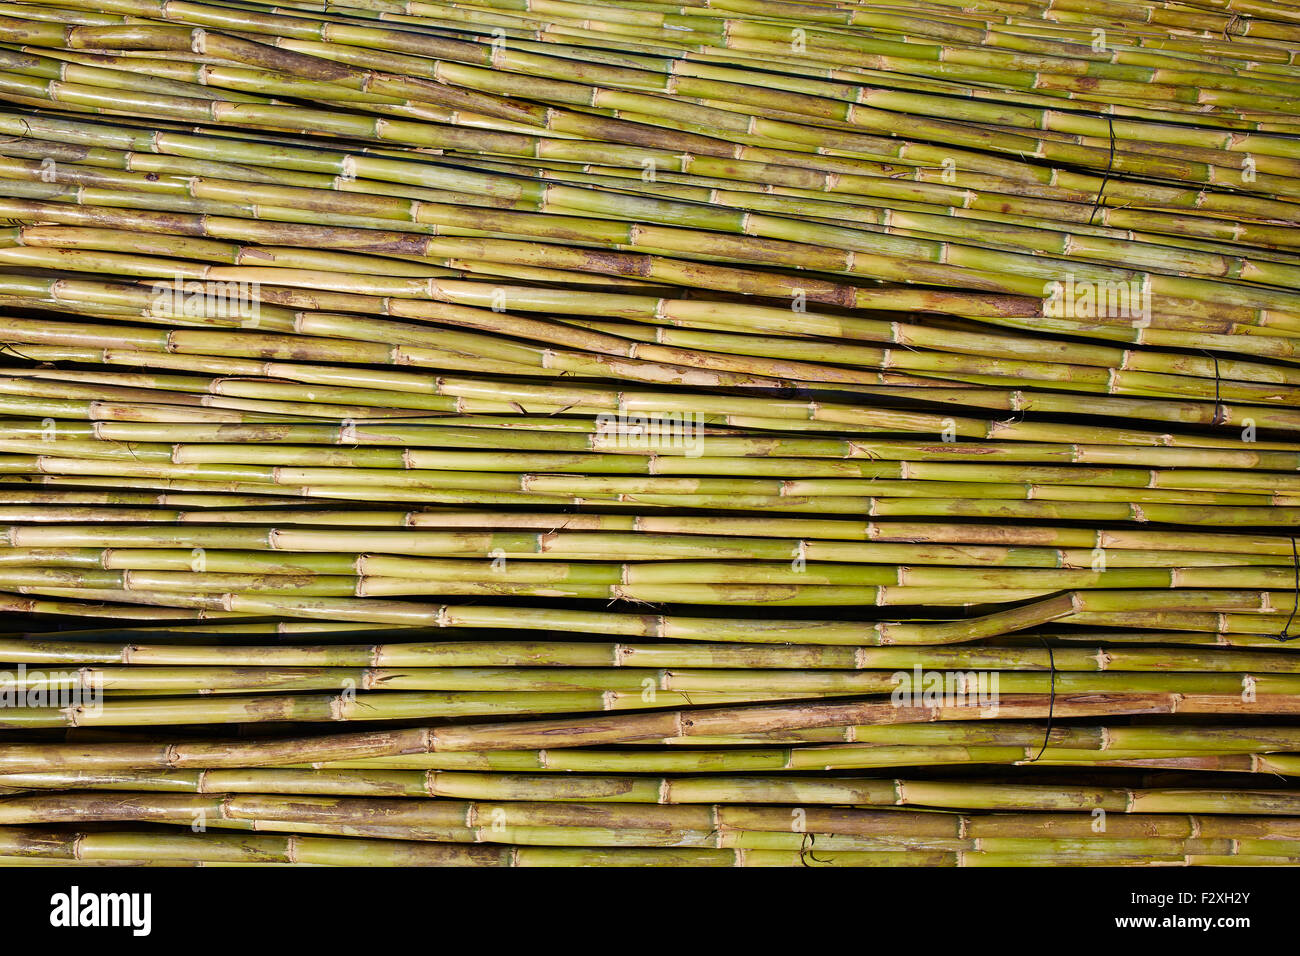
(729,433)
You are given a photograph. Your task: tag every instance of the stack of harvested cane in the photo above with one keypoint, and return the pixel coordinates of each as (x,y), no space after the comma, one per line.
(738,433)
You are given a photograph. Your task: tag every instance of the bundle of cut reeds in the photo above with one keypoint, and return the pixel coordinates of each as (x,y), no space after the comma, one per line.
(735,432)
